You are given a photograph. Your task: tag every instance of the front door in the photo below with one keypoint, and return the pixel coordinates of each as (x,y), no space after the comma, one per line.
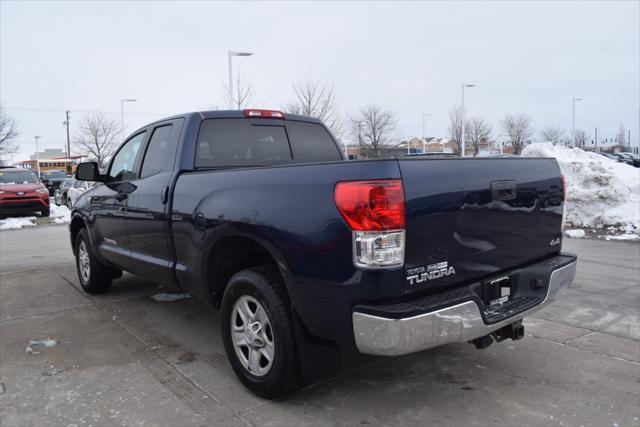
(109,201)
(148,206)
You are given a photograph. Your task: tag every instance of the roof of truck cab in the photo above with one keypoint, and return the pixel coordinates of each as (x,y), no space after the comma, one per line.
(234,114)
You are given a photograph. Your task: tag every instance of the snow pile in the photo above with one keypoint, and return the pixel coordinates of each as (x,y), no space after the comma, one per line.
(17,223)
(600,192)
(165,297)
(575,234)
(48,343)
(60,214)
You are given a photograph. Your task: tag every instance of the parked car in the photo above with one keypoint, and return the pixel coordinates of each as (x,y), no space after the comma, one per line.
(60,195)
(634,158)
(619,157)
(52,179)
(77,189)
(21,192)
(258,213)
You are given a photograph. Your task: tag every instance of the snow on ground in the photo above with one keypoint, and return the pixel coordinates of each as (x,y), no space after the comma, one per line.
(16,223)
(601,193)
(165,297)
(60,214)
(575,234)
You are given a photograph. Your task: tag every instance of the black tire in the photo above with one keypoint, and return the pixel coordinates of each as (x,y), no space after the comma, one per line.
(99,277)
(265,286)
(46,212)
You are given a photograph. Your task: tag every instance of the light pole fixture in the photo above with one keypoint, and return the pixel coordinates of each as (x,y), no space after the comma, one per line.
(573,118)
(424,131)
(37,155)
(462,112)
(122,101)
(231,55)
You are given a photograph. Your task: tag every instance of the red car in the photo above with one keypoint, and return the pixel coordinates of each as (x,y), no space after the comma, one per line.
(22,192)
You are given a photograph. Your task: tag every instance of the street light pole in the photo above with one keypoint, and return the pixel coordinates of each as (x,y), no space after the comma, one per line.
(66,123)
(424,131)
(122,101)
(462,112)
(231,55)
(37,155)
(573,118)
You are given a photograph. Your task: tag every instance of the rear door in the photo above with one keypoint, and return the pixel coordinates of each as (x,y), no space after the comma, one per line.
(473,218)
(148,205)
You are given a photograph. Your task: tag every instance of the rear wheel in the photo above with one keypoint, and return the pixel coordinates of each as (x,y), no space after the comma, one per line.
(46,212)
(257,332)
(94,277)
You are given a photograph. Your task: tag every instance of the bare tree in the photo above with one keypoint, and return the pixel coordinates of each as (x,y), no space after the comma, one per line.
(374,128)
(552,134)
(243,94)
(477,131)
(315,98)
(8,131)
(456,117)
(621,136)
(98,136)
(580,138)
(517,127)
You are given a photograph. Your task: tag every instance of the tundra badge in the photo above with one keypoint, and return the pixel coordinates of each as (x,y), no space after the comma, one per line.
(430,272)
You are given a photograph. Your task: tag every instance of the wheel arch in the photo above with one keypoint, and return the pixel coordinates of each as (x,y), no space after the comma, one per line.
(235,252)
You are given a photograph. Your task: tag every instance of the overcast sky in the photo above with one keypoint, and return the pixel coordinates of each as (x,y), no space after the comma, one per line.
(409,57)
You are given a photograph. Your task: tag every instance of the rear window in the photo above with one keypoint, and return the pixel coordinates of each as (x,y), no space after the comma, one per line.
(235,142)
(310,142)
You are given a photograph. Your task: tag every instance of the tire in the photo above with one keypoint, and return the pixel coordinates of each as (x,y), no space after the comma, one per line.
(94,277)
(46,212)
(271,332)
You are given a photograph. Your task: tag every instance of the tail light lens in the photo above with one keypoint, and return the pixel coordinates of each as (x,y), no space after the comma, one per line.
(374,210)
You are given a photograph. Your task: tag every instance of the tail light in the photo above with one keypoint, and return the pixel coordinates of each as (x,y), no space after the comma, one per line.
(374,210)
(564,200)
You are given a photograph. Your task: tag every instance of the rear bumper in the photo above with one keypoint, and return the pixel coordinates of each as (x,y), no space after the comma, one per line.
(390,335)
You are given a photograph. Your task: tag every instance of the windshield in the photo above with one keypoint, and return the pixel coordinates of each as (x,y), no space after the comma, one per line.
(68,182)
(54,175)
(18,177)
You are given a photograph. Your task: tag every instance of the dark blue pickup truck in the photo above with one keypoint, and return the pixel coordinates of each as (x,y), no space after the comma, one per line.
(258,213)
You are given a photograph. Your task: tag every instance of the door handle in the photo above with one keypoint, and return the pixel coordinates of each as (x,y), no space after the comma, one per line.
(164,194)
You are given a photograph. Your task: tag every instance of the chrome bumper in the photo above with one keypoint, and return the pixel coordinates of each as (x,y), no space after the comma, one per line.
(459,323)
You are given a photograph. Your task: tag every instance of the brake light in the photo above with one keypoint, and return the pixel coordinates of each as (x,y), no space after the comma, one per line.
(264,114)
(374,210)
(564,188)
(371,205)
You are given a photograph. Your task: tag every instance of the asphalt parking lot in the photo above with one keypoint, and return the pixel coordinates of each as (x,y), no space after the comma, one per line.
(124,358)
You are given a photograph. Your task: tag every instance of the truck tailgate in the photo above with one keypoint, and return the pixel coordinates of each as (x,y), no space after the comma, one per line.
(469,219)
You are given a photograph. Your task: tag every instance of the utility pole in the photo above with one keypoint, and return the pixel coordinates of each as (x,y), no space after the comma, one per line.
(597,150)
(66,123)
(629,139)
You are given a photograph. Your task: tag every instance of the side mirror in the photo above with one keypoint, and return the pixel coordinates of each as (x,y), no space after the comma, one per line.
(88,171)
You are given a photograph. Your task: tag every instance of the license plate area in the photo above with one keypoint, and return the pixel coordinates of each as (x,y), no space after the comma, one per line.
(497,291)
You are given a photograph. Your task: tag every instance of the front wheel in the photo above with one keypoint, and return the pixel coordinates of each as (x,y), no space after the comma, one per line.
(258,334)
(94,277)
(46,212)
